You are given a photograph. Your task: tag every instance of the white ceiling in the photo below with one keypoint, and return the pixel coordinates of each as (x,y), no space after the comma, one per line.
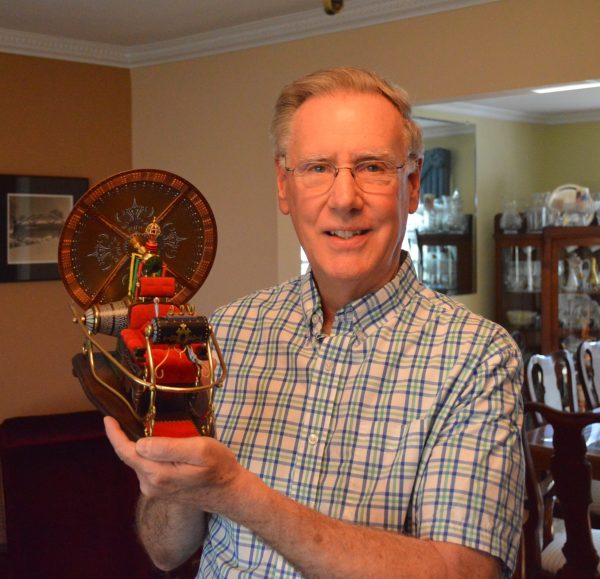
(524,105)
(141,32)
(137,22)
(130,33)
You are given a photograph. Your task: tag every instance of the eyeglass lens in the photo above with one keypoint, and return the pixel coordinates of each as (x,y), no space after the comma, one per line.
(371,176)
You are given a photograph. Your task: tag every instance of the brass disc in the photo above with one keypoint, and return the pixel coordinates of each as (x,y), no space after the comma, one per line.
(96,241)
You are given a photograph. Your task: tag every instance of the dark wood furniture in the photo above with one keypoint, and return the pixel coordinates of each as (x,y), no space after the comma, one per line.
(69,500)
(568,459)
(462,244)
(542,449)
(551,379)
(532,276)
(70,503)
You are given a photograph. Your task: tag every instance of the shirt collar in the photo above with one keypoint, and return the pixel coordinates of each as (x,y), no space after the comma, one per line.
(367,313)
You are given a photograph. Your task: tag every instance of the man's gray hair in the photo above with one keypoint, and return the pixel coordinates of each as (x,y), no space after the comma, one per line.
(333,80)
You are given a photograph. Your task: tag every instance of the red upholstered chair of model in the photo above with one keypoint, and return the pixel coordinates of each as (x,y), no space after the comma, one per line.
(174,368)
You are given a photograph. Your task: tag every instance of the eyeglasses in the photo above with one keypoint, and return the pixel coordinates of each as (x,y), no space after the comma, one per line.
(371,175)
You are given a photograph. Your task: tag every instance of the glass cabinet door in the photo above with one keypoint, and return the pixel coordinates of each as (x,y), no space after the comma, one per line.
(578,294)
(438,268)
(522,285)
(548,286)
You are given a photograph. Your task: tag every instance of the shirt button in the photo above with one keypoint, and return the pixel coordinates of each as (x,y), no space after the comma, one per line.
(328,365)
(313,439)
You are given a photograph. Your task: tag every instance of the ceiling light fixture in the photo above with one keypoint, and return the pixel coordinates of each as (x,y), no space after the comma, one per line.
(565,87)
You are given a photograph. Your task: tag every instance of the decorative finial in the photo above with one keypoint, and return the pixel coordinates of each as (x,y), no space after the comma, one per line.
(333,6)
(152,232)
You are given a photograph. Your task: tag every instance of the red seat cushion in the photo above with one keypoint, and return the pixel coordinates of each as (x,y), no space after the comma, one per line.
(171,363)
(141,314)
(162,287)
(133,339)
(175,428)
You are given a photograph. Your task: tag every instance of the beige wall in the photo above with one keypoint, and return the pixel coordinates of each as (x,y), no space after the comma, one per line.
(572,155)
(207,120)
(56,119)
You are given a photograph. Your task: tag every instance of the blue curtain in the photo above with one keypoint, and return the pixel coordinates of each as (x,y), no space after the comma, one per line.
(435,177)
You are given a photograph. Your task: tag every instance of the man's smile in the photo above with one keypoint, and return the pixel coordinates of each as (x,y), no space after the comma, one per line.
(346,234)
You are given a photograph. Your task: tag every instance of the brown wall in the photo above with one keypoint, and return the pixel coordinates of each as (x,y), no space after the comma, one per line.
(56,119)
(207,119)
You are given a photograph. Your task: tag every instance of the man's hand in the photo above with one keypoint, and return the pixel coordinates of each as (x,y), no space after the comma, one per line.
(198,470)
(178,477)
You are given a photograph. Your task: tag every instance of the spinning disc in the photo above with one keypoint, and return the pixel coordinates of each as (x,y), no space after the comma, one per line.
(99,234)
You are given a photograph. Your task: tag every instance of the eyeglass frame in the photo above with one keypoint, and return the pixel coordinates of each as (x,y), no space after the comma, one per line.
(352,169)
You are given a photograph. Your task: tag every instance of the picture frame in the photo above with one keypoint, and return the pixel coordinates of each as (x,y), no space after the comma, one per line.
(32,213)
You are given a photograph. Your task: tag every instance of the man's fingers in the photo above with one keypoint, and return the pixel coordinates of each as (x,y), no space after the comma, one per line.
(124,448)
(113,431)
(181,450)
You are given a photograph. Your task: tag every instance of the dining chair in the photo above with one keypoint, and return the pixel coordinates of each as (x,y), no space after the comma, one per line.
(552,380)
(570,549)
(588,365)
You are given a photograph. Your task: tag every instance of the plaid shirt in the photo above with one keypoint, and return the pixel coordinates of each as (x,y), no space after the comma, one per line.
(407,418)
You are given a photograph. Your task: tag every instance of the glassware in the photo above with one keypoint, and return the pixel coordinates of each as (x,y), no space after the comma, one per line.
(537,215)
(574,273)
(441,212)
(511,220)
(430,214)
(596,200)
(457,220)
(593,279)
(529,268)
(515,280)
(571,206)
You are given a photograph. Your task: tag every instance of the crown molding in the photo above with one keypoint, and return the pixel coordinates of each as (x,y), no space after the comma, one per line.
(45,46)
(483,111)
(576,117)
(269,31)
(454,130)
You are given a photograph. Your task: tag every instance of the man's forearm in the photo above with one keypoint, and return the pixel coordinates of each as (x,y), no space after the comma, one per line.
(170,531)
(319,546)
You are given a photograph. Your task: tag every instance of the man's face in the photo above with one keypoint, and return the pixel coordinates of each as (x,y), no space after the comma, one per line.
(352,238)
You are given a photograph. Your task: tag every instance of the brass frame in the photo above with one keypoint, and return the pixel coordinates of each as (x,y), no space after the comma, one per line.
(151,383)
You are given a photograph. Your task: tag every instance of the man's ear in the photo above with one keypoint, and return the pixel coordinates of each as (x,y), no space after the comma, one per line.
(414,186)
(282,183)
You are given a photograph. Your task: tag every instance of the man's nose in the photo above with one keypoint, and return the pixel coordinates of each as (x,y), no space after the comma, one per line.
(344,193)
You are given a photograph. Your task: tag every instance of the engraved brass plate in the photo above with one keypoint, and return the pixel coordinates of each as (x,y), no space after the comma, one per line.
(100,232)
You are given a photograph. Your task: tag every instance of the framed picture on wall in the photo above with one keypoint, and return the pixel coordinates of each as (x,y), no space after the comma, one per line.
(32,213)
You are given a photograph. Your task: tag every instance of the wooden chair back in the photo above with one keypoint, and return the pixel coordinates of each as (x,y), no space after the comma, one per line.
(551,379)
(588,364)
(572,475)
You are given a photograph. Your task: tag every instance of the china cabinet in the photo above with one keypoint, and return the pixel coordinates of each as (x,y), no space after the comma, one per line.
(445,261)
(548,286)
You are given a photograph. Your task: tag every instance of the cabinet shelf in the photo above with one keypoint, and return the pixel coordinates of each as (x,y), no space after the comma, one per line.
(462,246)
(532,270)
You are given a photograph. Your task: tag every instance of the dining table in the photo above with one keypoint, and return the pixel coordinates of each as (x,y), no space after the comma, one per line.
(541,447)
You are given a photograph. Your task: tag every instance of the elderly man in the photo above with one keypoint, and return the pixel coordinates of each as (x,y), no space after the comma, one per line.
(369,427)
